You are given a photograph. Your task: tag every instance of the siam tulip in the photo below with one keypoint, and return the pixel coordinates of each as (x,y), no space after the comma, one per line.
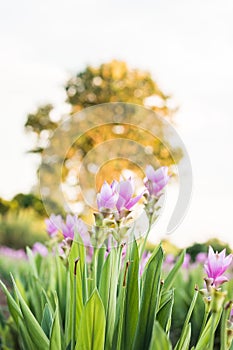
(39,248)
(126,200)
(216,265)
(187,259)
(53,225)
(72,224)
(117,196)
(68,227)
(201,258)
(169,259)
(108,196)
(12,253)
(156,180)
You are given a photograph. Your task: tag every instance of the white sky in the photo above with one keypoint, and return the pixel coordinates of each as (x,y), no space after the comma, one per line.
(188,47)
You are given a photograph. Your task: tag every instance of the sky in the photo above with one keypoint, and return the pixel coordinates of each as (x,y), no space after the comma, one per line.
(186,45)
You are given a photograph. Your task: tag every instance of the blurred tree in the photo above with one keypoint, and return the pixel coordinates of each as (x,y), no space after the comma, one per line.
(110,82)
(4,206)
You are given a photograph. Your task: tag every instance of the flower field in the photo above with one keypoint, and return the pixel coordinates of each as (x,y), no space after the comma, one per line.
(99,287)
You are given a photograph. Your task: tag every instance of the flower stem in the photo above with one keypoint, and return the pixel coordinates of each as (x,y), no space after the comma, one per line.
(189,314)
(212,334)
(206,314)
(73,336)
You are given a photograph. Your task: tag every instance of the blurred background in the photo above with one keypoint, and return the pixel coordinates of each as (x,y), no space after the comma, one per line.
(58,57)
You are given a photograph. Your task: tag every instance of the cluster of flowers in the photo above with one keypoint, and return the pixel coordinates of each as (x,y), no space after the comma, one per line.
(20,254)
(119,195)
(116,199)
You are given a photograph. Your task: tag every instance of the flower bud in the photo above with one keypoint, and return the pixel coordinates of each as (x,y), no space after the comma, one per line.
(217,301)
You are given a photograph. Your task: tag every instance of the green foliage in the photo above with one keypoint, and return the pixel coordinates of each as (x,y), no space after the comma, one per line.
(28,201)
(39,121)
(4,206)
(19,229)
(72,305)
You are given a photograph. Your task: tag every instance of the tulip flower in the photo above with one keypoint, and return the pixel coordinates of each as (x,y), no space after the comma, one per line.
(216,265)
(72,224)
(187,260)
(156,179)
(39,248)
(201,258)
(108,196)
(53,224)
(69,226)
(12,253)
(126,200)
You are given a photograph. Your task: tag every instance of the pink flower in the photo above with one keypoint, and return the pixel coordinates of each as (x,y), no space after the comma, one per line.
(201,258)
(169,259)
(53,224)
(40,249)
(217,264)
(108,196)
(156,179)
(187,259)
(12,253)
(69,226)
(73,224)
(117,196)
(126,200)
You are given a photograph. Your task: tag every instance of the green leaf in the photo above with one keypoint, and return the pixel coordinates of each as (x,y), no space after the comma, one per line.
(164,315)
(131,308)
(25,337)
(149,300)
(92,325)
(108,293)
(173,273)
(203,342)
(47,321)
(12,305)
(55,340)
(32,262)
(77,251)
(179,345)
(159,339)
(185,341)
(100,263)
(61,276)
(33,327)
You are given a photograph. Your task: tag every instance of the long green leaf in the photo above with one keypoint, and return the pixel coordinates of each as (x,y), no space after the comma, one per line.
(55,340)
(108,293)
(159,339)
(77,251)
(165,312)
(203,342)
(186,322)
(131,308)
(47,321)
(186,338)
(91,333)
(149,301)
(12,305)
(34,329)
